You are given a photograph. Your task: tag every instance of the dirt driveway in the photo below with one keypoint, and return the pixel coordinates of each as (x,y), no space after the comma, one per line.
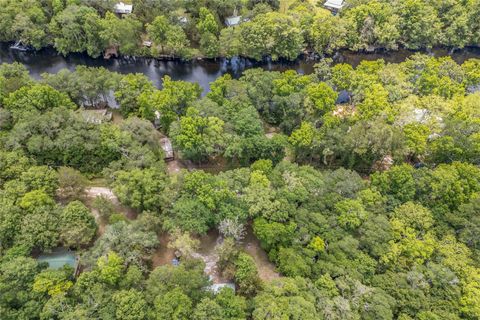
(93,192)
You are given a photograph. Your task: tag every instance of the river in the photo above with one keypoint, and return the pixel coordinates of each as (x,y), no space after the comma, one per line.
(200,71)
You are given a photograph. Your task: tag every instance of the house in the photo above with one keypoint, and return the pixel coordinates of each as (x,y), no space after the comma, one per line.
(168,149)
(96,116)
(233,21)
(334,5)
(122,8)
(60,257)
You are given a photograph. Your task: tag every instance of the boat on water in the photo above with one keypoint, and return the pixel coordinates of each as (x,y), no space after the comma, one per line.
(19,46)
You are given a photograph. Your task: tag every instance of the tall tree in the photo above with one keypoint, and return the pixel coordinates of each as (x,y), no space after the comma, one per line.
(198,137)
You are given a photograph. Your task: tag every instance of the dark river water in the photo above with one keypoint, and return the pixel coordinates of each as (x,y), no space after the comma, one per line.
(200,71)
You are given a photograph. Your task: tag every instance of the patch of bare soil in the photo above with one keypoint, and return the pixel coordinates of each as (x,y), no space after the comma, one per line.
(270,131)
(101,223)
(93,192)
(174,166)
(213,166)
(208,253)
(163,255)
(117,117)
(270,135)
(266,269)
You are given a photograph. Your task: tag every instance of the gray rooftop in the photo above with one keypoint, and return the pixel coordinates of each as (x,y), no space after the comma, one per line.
(334,4)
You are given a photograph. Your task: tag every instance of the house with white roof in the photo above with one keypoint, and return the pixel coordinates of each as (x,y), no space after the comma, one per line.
(233,21)
(122,8)
(334,5)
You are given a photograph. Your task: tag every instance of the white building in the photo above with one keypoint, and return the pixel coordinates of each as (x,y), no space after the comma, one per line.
(122,8)
(334,4)
(233,21)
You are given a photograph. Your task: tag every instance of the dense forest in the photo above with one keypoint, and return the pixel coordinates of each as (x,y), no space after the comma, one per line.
(273,28)
(361,185)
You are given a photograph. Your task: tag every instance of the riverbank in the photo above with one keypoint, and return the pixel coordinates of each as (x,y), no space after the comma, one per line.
(202,71)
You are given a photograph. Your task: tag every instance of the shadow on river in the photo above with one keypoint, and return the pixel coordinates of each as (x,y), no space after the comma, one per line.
(200,71)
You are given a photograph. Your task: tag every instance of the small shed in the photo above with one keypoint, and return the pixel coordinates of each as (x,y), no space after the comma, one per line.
(60,257)
(122,8)
(168,149)
(96,116)
(334,5)
(233,21)
(215,288)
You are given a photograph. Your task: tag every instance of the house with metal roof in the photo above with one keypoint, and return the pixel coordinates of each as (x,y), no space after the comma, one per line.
(233,21)
(122,8)
(334,5)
